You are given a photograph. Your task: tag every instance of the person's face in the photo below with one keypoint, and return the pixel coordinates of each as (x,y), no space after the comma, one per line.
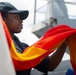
(14,23)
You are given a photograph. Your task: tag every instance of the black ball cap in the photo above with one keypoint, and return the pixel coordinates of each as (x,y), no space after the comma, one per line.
(6,7)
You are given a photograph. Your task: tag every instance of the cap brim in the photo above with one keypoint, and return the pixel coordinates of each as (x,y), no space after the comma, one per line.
(23,13)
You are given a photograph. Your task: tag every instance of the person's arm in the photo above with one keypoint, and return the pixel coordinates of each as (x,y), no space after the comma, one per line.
(56,57)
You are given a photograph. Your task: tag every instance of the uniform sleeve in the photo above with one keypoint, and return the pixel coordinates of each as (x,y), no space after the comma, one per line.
(43,66)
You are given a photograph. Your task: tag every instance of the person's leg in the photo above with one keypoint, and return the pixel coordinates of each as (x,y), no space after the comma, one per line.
(70,72)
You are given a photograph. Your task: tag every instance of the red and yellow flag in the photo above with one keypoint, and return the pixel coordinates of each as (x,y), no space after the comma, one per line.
(50,41)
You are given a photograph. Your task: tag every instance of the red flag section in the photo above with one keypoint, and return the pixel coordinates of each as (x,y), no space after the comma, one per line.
(50,41)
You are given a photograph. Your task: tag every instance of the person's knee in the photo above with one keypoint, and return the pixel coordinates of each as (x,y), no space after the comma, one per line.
(70,72)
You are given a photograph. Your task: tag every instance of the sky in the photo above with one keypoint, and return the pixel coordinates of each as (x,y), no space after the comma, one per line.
(26,35)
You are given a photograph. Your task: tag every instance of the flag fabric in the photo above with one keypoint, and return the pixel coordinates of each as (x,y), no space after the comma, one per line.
(49,42)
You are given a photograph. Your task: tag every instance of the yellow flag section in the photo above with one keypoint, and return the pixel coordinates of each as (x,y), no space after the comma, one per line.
(6,65)
(50,41)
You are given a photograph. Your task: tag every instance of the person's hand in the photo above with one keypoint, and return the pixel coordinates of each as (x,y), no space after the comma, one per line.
(64,45)
(66,41)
